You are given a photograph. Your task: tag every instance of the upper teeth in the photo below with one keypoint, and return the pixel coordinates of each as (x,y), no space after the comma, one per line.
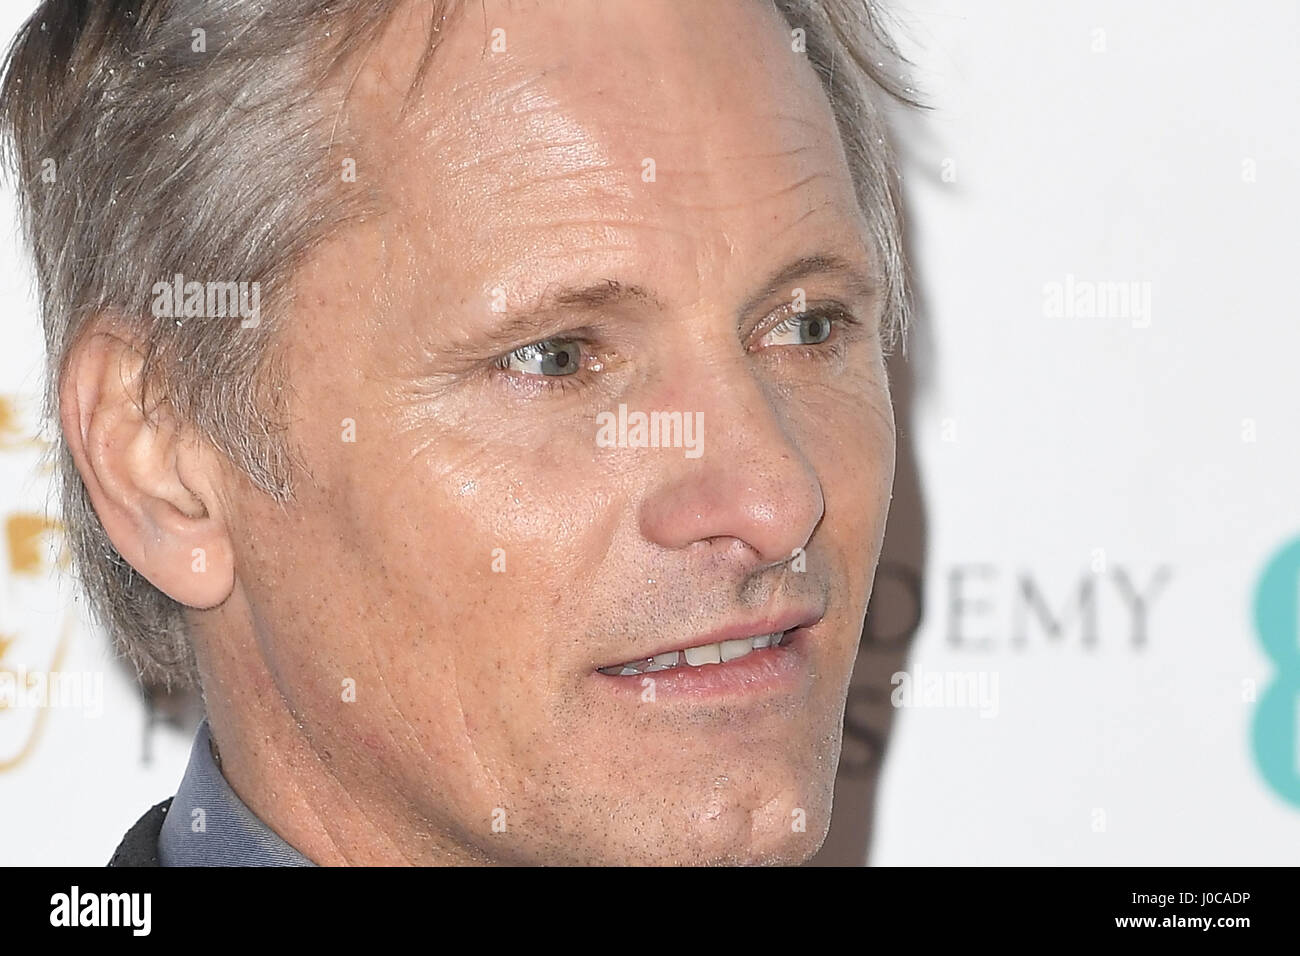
(718,653)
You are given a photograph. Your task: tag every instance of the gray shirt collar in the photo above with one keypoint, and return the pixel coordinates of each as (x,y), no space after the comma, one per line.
(208,825)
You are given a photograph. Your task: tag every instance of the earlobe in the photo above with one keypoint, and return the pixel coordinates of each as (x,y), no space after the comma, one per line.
(153,484)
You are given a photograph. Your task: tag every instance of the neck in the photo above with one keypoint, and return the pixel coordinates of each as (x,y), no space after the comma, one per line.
(323,794)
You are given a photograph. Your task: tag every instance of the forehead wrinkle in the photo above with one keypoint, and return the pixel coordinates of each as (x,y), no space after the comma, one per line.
(596,191)
(609,229)
(812,211)
(789,153)
(500,123)
(514,149)
(474,107)
(766,196)
(515,129)
(625,241)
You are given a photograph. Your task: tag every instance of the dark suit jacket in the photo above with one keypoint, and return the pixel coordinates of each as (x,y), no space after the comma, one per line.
(140,845)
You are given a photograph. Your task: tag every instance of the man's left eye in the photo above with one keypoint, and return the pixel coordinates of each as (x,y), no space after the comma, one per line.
(551,357)
(810,328)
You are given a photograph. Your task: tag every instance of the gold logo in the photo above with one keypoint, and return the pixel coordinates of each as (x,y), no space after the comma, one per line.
(31,652)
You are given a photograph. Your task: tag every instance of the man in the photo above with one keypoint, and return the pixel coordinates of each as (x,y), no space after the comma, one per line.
(483,404)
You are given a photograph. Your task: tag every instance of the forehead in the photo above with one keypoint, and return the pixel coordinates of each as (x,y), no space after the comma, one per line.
(549,134)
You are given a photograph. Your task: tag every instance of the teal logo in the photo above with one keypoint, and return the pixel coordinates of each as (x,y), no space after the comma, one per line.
(1276,726)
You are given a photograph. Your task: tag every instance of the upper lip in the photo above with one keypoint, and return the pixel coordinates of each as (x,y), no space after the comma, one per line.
(753,627)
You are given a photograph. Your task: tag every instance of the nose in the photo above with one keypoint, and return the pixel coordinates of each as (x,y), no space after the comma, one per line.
(750,484)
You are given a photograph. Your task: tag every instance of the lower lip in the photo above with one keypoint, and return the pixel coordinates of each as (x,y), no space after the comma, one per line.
(767,671)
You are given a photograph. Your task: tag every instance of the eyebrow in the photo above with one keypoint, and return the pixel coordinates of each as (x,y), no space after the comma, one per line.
(861,284)
(524,322)
(599,295)
(608,293)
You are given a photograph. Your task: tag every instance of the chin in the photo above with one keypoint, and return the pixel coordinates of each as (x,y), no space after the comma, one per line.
(771,849)
(772,836)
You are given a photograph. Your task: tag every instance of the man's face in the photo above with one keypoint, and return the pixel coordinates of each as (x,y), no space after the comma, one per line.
(624,183)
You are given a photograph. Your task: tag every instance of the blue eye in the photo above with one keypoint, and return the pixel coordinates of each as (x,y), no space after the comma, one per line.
(551,357)
(810,328)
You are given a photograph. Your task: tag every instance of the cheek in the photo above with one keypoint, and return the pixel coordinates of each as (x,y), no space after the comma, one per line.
(487,547)
(507,517)
(441,573)
(848,436)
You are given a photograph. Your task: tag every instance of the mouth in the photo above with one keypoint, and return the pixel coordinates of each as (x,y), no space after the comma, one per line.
(763,658)
(699,655)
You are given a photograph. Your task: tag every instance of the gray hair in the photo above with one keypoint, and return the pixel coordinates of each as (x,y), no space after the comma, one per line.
(137,157)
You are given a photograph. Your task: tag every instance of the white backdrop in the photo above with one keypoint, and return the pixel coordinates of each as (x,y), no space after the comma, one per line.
(1135,455)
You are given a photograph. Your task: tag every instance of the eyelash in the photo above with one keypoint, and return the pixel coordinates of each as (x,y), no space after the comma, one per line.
(557,383)
(827,350)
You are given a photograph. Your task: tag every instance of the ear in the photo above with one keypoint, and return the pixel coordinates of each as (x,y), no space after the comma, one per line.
(154,484)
